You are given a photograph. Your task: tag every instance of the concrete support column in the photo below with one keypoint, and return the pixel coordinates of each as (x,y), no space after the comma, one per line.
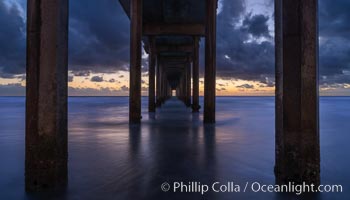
(165,86)
(183,85)
(188,83)
(135,61)
(179,90)
(297,111)
(210,62)
(195,76)
(169,91)
(151,74)
(46,94)
(158,83)
(162,85)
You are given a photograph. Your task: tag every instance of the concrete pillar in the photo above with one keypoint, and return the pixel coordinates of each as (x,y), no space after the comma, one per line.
(188,83)
(179,88)
(167,90)
(46,95)
(165,86)
(183,86)
(195,76)
(162,85)
(135,61)
(151,75)
(210,62)
(297,112)
(158,83)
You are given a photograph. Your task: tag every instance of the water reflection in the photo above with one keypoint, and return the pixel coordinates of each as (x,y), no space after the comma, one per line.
(181,151)
(108,159)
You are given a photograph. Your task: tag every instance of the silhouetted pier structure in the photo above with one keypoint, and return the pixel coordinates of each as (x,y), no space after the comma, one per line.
(170,31)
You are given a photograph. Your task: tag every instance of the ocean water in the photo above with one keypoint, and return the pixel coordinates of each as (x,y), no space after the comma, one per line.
(108,159)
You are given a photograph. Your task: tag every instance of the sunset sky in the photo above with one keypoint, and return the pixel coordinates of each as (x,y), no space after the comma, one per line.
(99,48)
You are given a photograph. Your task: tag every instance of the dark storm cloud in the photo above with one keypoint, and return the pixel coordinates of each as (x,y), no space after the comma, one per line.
(81,73)
(334,17)
(99,40)
(256,25)
(334,56)
(70,78)
(255,61)
(98,36)
(12,41)
(238,55)
(246,86)
(96,79)
(112,80)
(124,88)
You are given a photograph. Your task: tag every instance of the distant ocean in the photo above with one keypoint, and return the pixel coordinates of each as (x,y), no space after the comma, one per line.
(108,159)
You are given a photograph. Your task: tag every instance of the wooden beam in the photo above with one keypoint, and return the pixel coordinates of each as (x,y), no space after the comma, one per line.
(174,29)
(169,59)
(174,48)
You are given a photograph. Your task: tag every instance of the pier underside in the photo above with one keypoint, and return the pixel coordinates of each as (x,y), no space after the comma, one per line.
(170,32)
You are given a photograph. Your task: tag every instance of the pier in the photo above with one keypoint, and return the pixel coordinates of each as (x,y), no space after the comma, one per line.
(170,31)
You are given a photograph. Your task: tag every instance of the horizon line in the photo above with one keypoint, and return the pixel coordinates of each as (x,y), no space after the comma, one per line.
(191,96)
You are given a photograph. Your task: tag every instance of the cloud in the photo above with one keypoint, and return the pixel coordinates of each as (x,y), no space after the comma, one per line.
(220,89)
(240,56)
(96,79)
(124,88)
(256,25)
(12,89)
(246,86)
(334,18)
(12,41)
(334,50)
(81,73)
(70,78)
(99,35)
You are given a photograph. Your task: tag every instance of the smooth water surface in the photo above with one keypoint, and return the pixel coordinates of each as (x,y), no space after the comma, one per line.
(108,159)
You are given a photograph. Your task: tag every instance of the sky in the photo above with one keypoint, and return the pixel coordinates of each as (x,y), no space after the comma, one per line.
(99,48)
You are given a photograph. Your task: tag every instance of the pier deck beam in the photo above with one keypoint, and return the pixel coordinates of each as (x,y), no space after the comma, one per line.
(210,62)
(135,61)
(297,111)
(46,95)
